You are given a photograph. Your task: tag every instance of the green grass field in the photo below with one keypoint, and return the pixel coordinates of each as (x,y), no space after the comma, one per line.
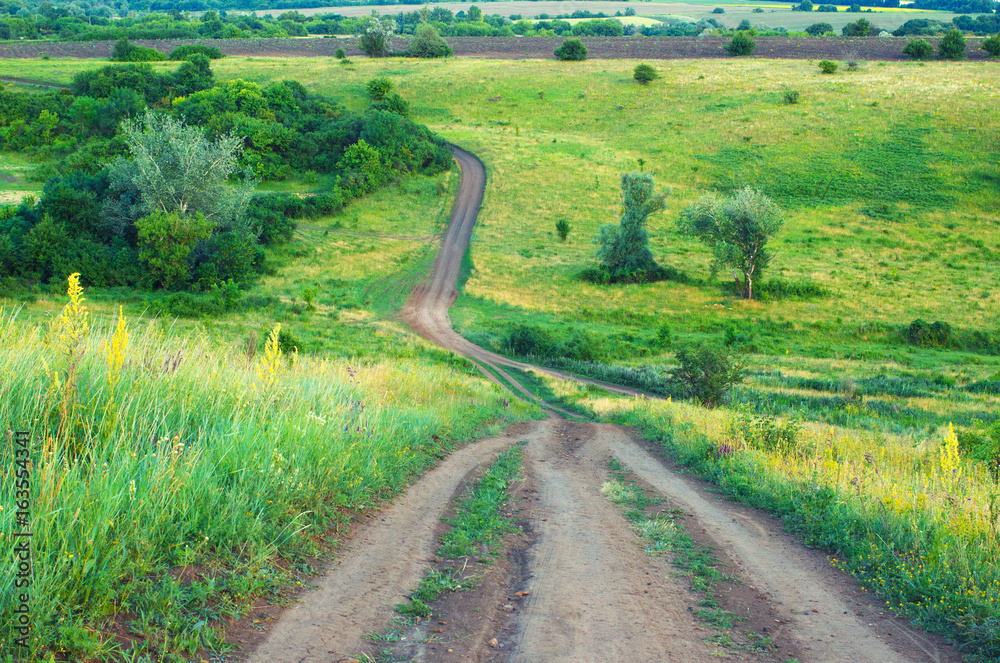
(889,179)
(888,176)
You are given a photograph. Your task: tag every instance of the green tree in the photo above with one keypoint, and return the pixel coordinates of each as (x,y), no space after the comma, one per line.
(46,123)
(562,229)
(194,74)
(571,49)
(952,45)
(475,14)
(918,49)
(378,87)
(644,73)
(428,43)
(705,372)
(624,248)
(376,34)
(742,43)
(365,160)
(177,170)
(991,45)
(860,28)
(817,29)
(738,230)
(166,240)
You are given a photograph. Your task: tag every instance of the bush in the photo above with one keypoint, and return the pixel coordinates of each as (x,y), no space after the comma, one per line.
(644,73)
(860,28)
(706,373)
(562,229)
(952,45)
(340,54)
(741,44)
(805,6)
(926,335)
(828,66)
(572,50)
(791,97)
(718,10)
(827,8)
(379,87)
(918,49)
(123,51)
(393,103)
(992,45)
(183,52)
(428,44)
(817,29)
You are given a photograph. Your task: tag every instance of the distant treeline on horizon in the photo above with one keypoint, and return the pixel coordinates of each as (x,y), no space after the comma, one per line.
(119,8)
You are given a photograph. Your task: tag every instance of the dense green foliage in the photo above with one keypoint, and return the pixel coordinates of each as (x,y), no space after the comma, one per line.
(126,52)
(742,43)
(860,28)
(817,29)
(571,49)
(624,248)
(644,73)
(828,66)
(187,50)
(992,45)
(952,45)
(738,230)
(706,373)
(918,49)
(113,173)
(376,35)
(428,43)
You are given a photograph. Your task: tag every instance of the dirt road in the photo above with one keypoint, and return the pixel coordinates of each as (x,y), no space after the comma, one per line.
(590,593)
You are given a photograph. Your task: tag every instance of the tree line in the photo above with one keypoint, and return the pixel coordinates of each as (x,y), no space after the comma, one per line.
(150,177)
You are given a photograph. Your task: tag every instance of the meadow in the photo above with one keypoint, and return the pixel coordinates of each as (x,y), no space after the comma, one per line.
(888,177)
(179,477)
(300,408)
(917,525)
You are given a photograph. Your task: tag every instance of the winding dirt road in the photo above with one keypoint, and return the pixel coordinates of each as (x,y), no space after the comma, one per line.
(590,592)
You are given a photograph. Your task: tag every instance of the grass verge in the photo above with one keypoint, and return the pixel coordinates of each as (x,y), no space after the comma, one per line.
(477,529)
(663,533)
(172,477)
(918,526)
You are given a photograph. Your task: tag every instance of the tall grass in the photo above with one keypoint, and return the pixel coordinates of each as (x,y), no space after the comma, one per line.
(918,525)
(153,451)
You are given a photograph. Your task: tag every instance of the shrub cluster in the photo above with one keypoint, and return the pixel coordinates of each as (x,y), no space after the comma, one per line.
(87,223)
(571,49)
(126,52)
